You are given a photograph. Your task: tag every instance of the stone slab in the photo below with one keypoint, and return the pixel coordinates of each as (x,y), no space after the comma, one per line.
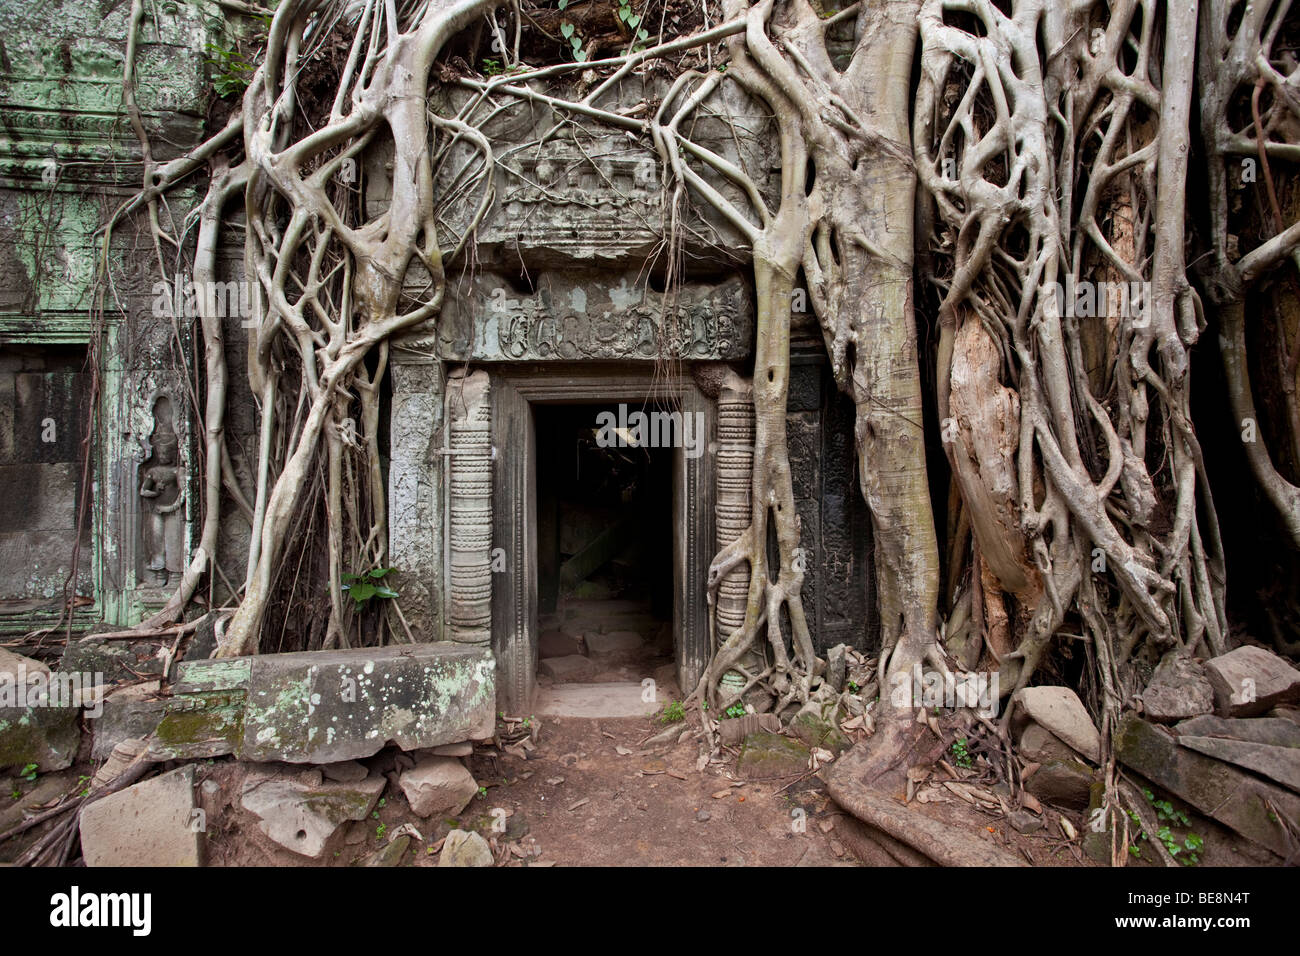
(1274,731)
(1239,800)
(302,811)
(318,707)
(615,699)
(332,706)
(149,824)
(1280,764)
(765,756)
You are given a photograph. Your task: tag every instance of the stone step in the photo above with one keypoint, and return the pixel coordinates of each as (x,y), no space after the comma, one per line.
(593,700)
(618,647)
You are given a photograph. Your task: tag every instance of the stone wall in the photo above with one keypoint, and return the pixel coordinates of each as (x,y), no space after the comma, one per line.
(67,157)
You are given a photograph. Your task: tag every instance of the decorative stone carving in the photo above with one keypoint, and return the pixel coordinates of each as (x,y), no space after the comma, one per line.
(162,490)
(579,317)
(416,490)
(732,505)
(469,417)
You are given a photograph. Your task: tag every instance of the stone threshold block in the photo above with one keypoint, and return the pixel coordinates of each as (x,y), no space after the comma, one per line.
(324,707)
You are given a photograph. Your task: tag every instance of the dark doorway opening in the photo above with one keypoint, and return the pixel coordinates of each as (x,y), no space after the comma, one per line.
(604,546)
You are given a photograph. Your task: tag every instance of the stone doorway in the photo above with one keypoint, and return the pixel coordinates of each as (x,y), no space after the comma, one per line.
(532,407)
(604,542)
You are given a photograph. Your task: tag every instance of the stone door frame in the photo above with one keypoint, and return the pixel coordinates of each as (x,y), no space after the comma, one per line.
(515,389)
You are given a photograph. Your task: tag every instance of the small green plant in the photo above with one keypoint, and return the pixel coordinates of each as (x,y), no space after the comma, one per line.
(482,792)
(83,779)
(29,772)
(370,584)
(16,794)
(231,71)
(380,830)
(672,713)
(961,755)
(491,67)
(735,710)
(853,687)
(382,801)
(633,21)
(1188,852)
(570,33)
(374,814)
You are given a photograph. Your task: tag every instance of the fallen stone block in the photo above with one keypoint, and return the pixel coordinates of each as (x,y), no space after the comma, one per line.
(1280,764)
(462,749)
(1255,808)
(1060,711)
(438,785)
(465,848)
(349,771)
(115,660)
(44,789)
(764,756)
(152,823)
(330,706)
(837,667)
(1250,681)
(1040,745)
(1274,731)
(32,729)
(302,811)
(124,717)
(388,855)
(814,724)
(1062,783)
(1178,690)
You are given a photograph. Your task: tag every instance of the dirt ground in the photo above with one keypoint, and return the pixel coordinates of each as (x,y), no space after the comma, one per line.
(592,795)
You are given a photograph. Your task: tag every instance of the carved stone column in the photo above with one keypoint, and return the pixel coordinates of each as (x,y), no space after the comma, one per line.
(732,504)
(416,491)
(469,417)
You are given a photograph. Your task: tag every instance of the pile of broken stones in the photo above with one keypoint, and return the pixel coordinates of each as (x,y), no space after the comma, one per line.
(311,768)
(1223,736)
(1220,736)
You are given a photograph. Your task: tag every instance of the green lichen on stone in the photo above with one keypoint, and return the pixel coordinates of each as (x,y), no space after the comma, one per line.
(183,732)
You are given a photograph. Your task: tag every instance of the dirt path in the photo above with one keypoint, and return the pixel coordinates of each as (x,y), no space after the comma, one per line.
(586,803)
